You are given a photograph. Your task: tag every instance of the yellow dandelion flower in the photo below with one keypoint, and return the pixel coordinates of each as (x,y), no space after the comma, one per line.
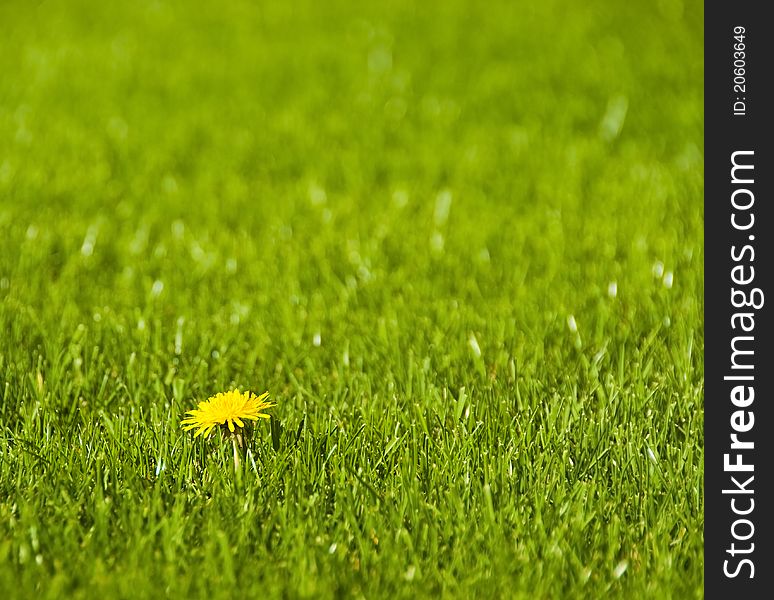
(229,408)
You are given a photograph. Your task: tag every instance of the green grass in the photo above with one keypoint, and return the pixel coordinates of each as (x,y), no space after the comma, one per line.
(460,244)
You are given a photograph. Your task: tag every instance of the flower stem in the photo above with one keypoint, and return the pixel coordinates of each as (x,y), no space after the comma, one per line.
(238,446)
(237,460)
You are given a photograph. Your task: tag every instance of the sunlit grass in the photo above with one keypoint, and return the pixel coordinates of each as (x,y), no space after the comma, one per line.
(461,246)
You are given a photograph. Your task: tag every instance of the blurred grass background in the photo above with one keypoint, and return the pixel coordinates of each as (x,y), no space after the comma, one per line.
(461,244)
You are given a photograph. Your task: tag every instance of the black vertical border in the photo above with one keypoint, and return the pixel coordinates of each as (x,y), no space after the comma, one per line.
(726,133)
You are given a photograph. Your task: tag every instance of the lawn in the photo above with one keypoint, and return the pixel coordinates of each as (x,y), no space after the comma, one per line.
(460,244)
